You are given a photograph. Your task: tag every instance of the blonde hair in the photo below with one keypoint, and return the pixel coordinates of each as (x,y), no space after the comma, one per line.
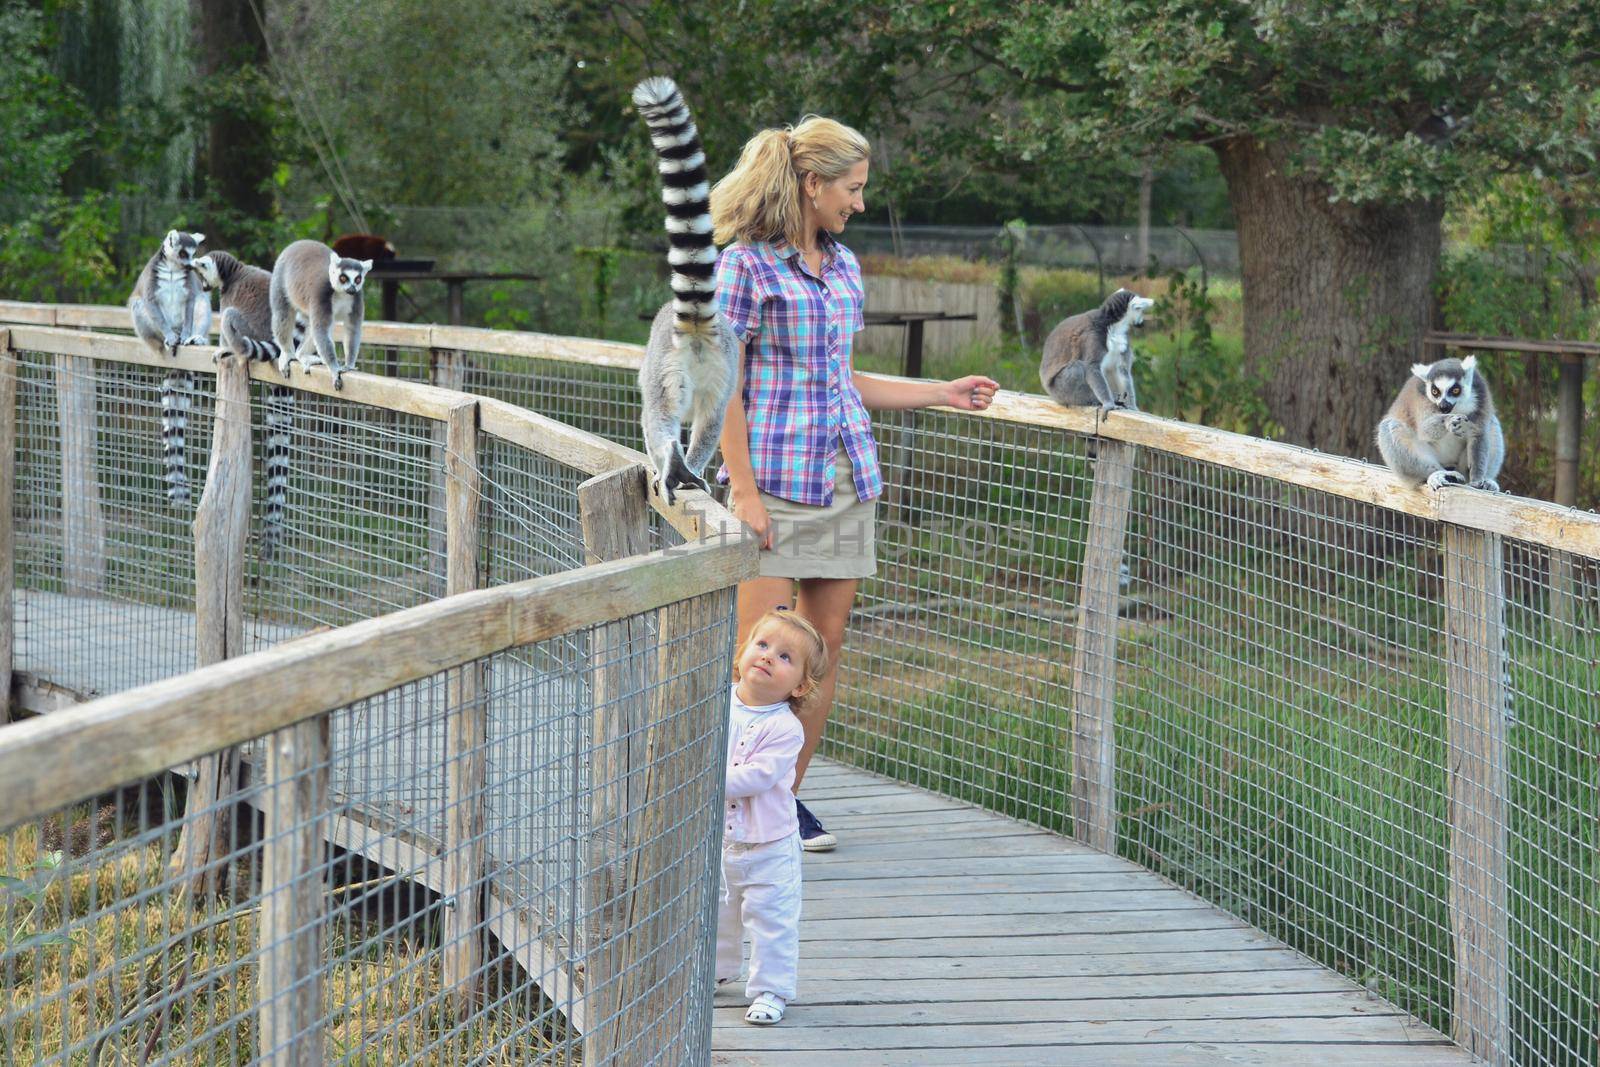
(759,200)
(816,654)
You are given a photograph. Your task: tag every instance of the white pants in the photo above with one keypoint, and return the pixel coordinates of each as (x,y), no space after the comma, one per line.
(761,896)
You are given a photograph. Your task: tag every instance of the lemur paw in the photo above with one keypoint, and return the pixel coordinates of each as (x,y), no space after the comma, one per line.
(1459,426)
(1441,478)
(338,379)
(1488,485)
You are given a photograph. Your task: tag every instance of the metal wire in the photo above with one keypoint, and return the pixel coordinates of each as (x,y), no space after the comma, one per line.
(596,813)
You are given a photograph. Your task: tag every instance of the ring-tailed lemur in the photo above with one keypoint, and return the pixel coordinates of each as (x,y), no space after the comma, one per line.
(691,361)
(170,308)
(310,278)
(1442,429)
(244,302)
(1088,358)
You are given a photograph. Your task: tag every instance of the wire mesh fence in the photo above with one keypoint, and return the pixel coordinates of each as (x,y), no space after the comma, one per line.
(1366,732)
(502,858)
(1289,722)
(341,846)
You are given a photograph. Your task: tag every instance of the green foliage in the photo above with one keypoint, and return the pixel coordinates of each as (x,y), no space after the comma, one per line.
(417,102)
(1193,375)
(62,251)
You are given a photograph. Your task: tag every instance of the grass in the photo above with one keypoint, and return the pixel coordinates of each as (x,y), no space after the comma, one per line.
(106,965)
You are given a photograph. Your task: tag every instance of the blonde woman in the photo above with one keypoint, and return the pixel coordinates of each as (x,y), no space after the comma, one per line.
(799,457)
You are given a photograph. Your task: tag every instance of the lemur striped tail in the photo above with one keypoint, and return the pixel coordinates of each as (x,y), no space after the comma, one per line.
(682,164)
(280,423)
(280,420)
(177,390)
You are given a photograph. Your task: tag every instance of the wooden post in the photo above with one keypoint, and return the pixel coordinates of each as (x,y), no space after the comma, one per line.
(221,532)
(658,912)
(83,526)
(1094,655)
(455,300)
(447,370)
(1475,705)
(289,984)
(8,485)
(615,517)
(1569,436)
(466,730)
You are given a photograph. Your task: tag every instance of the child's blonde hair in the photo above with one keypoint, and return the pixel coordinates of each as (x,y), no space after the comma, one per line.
(759,200)
(816,654)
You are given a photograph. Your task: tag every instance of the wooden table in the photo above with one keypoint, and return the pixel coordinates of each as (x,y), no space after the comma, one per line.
(913,321)
(455,283)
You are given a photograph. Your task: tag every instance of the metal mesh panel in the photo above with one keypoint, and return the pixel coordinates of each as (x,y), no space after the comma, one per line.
(597,903)
(111,534)
(362,528)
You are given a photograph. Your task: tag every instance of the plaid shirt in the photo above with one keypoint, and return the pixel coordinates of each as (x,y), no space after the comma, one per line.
(800,399)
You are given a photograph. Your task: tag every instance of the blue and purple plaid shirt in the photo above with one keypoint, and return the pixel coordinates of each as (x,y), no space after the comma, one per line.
(800,399)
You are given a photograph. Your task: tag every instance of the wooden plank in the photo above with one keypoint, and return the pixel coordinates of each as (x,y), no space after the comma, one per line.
(1124,996)
(1061,863)
(956,849)
(1021,925)
(1221,938)
(83,524)
(1475,705)
(221,533)
(1130,881)
(565,444)
(8,555)
(1173,1054)
(999,1002)
(292,896)
(866,906)
(615,523)
(1376,1032)
(1264,969)
(466,731)
(48,762)
(1094,653)
(1510,344)
(539,346)
(446,370)
(29,313)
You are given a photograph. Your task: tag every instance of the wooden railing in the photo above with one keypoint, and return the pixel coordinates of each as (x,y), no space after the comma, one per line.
(287,692)
(1474,527)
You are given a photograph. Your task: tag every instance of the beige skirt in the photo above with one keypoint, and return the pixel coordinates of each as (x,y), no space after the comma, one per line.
(833,541)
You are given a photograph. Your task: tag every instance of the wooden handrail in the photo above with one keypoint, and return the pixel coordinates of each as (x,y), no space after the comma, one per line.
(72,754)
(1553,525)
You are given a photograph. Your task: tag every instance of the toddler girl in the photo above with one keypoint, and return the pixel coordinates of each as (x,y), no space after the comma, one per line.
(776,669)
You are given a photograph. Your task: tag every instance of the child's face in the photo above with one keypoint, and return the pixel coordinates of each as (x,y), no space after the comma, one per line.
(772,666)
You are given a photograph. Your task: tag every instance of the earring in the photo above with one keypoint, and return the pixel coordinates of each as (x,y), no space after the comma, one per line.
(814,206)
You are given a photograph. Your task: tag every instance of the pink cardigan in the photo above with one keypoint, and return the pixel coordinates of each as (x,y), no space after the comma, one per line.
(759,806)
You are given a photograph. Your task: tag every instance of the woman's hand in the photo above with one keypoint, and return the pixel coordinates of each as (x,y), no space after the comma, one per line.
(972,393)
(748,509)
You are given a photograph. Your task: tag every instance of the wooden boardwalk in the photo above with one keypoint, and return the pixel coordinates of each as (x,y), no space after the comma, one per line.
(941,934)
(938,933)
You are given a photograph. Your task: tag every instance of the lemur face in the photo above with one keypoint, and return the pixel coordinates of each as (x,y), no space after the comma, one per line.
(1136,309)
(347,275)
(179,248)
(206,269)
(1448,384)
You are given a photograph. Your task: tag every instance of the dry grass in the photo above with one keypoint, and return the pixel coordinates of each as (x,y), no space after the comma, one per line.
(101,963)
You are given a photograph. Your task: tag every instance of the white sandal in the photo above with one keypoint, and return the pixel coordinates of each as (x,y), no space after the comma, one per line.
(765,1010)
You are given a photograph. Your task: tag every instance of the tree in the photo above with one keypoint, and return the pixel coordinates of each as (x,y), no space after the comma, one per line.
(1342,131)
(237,155)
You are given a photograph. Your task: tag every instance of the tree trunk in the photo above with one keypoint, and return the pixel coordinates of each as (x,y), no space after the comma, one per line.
(236,159)
(1337,297)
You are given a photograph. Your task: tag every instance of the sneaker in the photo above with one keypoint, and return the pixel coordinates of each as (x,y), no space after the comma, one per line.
(813,838)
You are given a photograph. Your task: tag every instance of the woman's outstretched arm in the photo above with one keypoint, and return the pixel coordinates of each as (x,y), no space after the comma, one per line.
(972,393)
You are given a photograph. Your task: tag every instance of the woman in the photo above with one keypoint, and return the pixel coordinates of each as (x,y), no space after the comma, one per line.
(799,457)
